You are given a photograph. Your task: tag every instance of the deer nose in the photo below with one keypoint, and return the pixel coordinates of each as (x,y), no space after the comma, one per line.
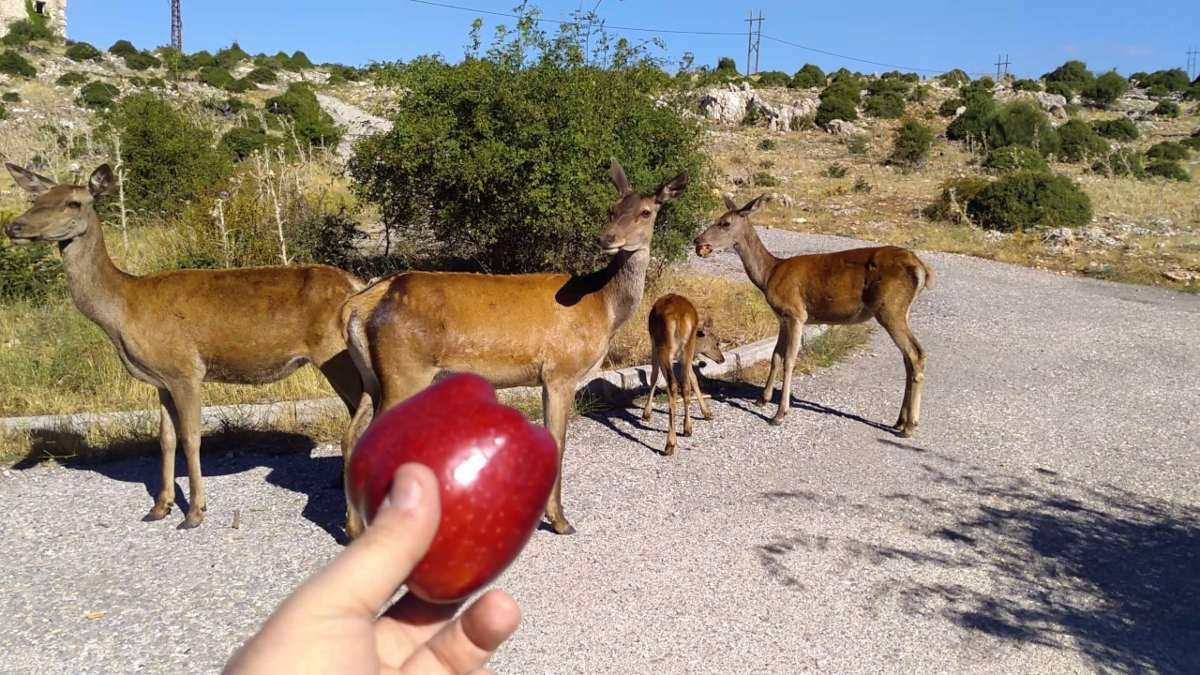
(609,241)
(13,230)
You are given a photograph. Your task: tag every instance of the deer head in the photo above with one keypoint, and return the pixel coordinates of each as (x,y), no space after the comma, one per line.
(59,212)
(707,342)
(631,220)
(729,228)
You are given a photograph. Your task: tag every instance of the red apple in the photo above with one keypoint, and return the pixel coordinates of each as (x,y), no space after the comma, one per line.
(495,470)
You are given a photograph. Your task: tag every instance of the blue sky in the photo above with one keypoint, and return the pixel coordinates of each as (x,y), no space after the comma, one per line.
(934,34)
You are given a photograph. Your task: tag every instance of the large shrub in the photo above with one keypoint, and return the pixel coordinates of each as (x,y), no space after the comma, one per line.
(887,105)
(1026,85)
(98,95)
(971,125)
(142,61)
(836,108)
(1074,76)
(122,48)
(312,123)
(505,157)
(82,51)
(1079,142)
(1015,158)
(954,196)
(231,56)
(1168,150)
(198,60)
(1119,129)
(1029,200)
(299,60)
(1021,123)
(1166,109)
(169,156)
(1169,169)
(954,78)
(911,147)
(773,78)
(1174,79)
(241,142)
(1106,89)
(262,75)
(12,63)
(808,77)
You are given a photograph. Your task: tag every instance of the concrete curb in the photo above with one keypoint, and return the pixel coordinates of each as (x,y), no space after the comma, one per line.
(608,385)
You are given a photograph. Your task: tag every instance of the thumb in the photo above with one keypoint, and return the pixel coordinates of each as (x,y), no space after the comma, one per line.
(366,575)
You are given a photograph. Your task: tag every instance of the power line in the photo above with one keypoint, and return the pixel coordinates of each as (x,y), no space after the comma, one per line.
(753,41)
(852,58)
(562,22)
(1004,63)
(1192,53)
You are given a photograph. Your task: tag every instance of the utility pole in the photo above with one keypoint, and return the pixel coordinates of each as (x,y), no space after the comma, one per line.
(1005,63)
(1192,53)
(753,41)
(176,26)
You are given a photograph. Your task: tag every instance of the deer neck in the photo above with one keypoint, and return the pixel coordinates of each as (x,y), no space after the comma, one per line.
(757,260)
(96,285)
(624,286)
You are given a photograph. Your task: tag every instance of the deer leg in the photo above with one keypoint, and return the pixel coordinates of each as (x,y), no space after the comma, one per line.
(186,395)
(914,368)
(168,423)
(795,333)
(776,361)
(556,406)
(685,365)
(671,386)
(653,388)
(704,407)
(354,430)
(343,376)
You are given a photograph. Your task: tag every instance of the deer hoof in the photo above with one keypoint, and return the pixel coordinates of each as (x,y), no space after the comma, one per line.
(193,520)
(563,528)
(906,432)
(157,513)
(669,450)
(646,416)
(760,402)
(707,415)
(777,420)
(354,529)
(686,432)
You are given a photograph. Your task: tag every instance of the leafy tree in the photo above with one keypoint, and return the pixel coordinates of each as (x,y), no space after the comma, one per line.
(1079,142)
(808,77)
(82,51)
(1106,89)
(312,123)
(912,144)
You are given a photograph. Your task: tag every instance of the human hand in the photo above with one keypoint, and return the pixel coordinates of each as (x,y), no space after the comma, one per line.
(331,623)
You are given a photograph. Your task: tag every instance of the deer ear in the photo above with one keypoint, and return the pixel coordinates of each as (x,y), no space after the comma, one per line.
(671,189)
(29,181)
(617,173)
(730,205)
(753,205)
(101,181)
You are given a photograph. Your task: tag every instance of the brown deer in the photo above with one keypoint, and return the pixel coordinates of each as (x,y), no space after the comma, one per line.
(676,331)
(846,287)
(514,330)
(177,329)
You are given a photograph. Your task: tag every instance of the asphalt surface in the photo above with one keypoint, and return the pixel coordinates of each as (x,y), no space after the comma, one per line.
(1045,518)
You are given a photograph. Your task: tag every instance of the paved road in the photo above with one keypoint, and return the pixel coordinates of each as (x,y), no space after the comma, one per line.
(1046,518)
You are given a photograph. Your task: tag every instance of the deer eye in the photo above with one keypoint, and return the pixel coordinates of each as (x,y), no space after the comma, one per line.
(74,205)
(700,333)
(724,223)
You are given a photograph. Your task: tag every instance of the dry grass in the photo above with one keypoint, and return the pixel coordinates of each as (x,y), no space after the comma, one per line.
(891,211)
(740,315)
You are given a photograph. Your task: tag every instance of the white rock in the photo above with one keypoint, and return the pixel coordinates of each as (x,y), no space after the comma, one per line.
(842,128)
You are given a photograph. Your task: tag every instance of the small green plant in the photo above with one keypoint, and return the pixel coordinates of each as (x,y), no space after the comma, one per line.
(808,77)
(35,27)
(1020,123)
(767,144)
(836,108)
(1030,200)
(12,63)
(861,185)
(1060,89)
(98,95)
(1169,169)
(920,93)
(83,51)
(244,141)
(312,123)
(1166,109)
(300,61)
(3,112)
(773,78)
(1158,91)
(1119,129)
(765,179)
(858,144)
(802,123)
(71,78)
(1175,79)
(122,48)
(262,75)
(912,144)
(836,170)
(986,82)
(1015,158)
(1192,142)
(954,78)
(1168,150)
(231,56)
(30,273)
(1026,85)
(1079,142)
(11,97)
(198,61)
(885,105)
(953,197)
(141,61)
(949,107)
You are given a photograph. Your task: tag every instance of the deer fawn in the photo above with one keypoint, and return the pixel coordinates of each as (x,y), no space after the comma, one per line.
(676,331)
(514,330)
(177,329)
(846,287)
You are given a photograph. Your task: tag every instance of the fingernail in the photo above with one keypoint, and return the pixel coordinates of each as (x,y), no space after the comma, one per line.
(405,493)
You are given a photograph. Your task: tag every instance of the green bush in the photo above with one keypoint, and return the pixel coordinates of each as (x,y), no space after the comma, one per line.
(505,159)
(848,88)
(1079,142)
(1158,91)
(28,272)
(262,75)
(227,107)
(767,144)
(1174,79)
(98,95)
(1106,89)
(169,158)
(122,48)
(35,27)
(808,77)
(764,179)
(231,56)
(1193,93)
(12,63)
(949,107)
(1167,150)
(312,123)
(893,85)
(971,125)
(141,61)
(244,141)
(1123,162)
(836,108)
(1029,200)
(886,105)
(1119,129)
(1166,109)
(857,144)
(82,51)
(954,196)
(1169,169)
(71,78)
(954,78)
(11,97)
(339,73)
(300,61)
(3,112)
(1021,123)
(199,61)
(1015,158)
(773,78)
(836,170)
(1061,89)
(1073,75)
(920,93)
(911,146)
(218,77)
(985,82)
(1026,85)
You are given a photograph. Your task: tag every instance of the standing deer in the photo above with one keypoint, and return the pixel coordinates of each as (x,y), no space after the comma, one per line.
(846,287)
(177,329)
(514,330)
(676,331)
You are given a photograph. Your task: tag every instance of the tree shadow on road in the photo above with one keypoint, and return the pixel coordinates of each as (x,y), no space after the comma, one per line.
(1112,575)
(288,456)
